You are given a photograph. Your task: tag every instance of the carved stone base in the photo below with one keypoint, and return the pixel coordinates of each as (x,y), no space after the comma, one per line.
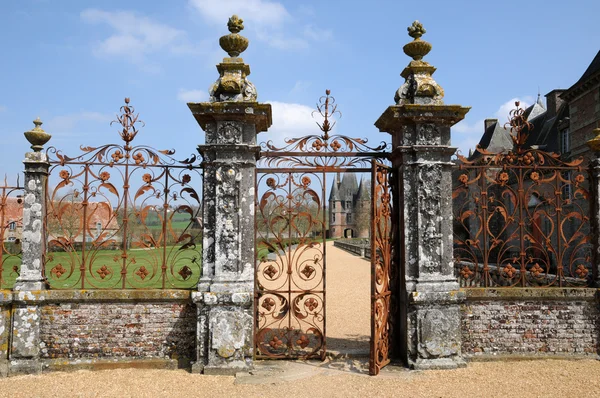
(24,367)
(434,330)
(225,325)
(440,363)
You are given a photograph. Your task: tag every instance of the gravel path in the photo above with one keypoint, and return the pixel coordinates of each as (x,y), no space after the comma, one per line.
(348,302)
(544,378)
(348,313)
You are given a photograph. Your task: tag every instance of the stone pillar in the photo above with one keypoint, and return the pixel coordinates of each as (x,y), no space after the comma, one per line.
(25,344)
(420,124)
(594,145)
(231,120)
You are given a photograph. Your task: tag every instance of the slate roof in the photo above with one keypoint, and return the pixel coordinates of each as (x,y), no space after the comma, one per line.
(592,72)
(545,133)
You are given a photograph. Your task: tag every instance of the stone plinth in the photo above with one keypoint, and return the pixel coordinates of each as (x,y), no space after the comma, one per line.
(225,291)
(419,123)
(421,157)
(25,344)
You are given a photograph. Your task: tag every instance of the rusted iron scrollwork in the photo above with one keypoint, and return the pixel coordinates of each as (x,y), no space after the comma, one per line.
(521,217)
(123,216)
(325,151)
(291,226)
(290,278)
(11,226)
(383,271)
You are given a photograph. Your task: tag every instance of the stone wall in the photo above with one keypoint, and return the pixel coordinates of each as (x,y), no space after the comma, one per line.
(530,322)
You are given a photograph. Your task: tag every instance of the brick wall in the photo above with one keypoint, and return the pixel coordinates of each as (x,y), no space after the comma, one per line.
(530,322)
(118,328)
(585,115)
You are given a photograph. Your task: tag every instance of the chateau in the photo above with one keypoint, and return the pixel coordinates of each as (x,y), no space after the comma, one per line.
(349,203)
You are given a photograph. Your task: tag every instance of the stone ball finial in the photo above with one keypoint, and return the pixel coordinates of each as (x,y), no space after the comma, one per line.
(233,43)
(37,137)
(416,30)
(417,48)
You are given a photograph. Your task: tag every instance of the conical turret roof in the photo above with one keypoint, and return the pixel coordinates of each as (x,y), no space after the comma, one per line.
(363,190)
(335,192)
(348,186)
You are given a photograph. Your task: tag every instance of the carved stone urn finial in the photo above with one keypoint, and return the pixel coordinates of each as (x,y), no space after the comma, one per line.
(417,48)
(233,84)
(594,143)
(233,43)
(37,137)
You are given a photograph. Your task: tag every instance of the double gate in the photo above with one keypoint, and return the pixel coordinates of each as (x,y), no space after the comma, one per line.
(291,233)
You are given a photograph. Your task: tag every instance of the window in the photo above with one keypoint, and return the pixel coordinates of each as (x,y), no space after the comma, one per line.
(348,204)
(332,217)
(349,217)
(12,226)
(567,189)
(12,239)
(98,228)
(565,141)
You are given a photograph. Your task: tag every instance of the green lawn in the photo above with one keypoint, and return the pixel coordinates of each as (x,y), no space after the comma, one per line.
(179,221)
(103,268)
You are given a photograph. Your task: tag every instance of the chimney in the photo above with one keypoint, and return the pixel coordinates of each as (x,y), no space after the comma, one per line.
(554,102)
(488,123)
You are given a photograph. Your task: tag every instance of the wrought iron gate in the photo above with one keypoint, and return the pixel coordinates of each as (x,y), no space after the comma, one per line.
(383,272)
(291,232)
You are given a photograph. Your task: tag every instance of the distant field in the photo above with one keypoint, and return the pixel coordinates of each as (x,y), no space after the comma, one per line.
(178,221)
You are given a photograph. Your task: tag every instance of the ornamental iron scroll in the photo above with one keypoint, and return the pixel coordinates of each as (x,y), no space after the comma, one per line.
(326,151)
(290,272)
(123,216)
(384,273)
(11,228)
(521,217)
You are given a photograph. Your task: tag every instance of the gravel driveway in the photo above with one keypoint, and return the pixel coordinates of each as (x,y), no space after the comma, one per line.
(348,313)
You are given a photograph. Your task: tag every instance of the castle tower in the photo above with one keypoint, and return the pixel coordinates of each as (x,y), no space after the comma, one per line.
(361,210)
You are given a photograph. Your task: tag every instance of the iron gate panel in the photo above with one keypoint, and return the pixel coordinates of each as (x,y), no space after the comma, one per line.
(290,274)
(383,272)
(123,216)
(521,217)
(291,227)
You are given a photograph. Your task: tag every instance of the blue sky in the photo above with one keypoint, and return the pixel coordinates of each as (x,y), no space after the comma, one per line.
(72,62)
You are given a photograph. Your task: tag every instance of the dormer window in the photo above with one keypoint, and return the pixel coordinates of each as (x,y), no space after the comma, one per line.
(565,141)
(12,226)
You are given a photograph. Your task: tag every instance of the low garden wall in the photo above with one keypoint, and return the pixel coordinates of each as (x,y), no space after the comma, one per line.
(107,328)
(522,322)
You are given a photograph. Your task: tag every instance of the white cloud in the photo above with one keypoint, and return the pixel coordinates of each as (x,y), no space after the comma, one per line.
(192,95)
(300,87)
(283,43)
(136,36)
(317,34)
(260,12)
(289,120)
(59,125)
(266,19)
(503,113)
